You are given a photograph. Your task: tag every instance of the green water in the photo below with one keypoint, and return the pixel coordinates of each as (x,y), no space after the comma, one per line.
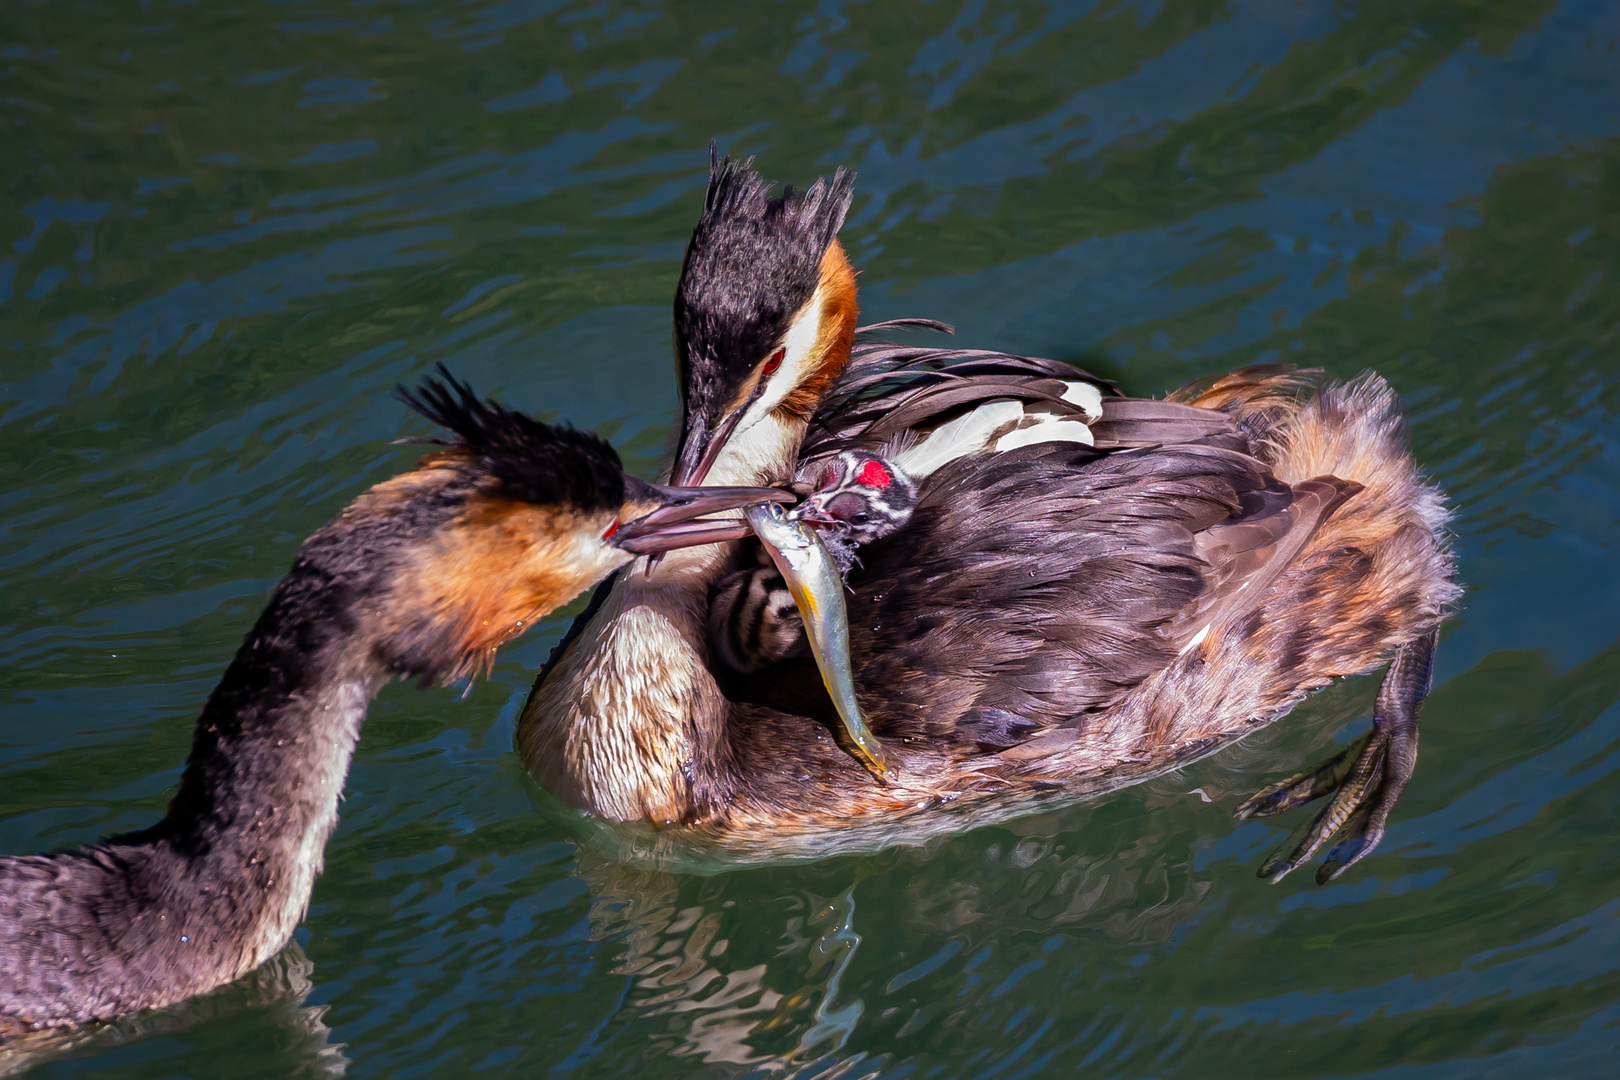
(227,230)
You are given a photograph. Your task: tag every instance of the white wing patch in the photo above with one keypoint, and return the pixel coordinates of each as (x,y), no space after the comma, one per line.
(1087,396)
(1001,425)
(967,434)
(1053,430)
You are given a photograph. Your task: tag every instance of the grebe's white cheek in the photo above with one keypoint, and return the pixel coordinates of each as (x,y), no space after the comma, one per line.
(798,362)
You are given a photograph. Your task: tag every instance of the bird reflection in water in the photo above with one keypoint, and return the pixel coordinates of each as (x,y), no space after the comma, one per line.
(713,982)
(763,968)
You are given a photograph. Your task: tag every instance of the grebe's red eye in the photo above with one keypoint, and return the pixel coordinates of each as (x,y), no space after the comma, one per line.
(873,474)
(775,361)
(611,529)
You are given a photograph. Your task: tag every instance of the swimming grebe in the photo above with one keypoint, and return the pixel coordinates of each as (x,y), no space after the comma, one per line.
(1053,615)
(421,577)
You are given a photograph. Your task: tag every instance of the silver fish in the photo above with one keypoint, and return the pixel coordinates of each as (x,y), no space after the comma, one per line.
(818,589)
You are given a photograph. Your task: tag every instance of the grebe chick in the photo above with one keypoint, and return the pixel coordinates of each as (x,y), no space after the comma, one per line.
(861,497)
(422,577)
(864,495)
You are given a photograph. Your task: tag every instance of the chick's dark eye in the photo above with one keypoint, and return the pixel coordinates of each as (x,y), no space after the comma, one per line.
(861,519)
(774,362)
(844,507)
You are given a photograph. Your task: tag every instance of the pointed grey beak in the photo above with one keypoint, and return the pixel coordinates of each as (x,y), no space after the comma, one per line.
(701,447)
(679,521)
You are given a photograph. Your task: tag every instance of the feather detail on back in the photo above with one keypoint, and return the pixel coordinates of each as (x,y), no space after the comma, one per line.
(1086,395)
(889,390)
(967,434)
(1046,430)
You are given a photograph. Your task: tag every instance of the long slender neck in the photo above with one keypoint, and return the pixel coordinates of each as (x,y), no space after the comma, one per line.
(219,884)
(630,723)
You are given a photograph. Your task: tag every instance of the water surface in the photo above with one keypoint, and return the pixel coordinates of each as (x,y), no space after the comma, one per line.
(228,229)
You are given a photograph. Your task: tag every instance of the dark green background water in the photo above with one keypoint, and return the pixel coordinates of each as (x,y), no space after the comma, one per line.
(227,230)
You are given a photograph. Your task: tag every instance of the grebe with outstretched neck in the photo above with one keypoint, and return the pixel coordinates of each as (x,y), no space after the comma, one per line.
(422,577)
(1061,614)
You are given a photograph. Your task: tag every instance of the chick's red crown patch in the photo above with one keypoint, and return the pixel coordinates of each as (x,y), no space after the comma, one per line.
(873,474)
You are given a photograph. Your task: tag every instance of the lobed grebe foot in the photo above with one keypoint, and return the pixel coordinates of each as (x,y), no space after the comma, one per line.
(1365,779)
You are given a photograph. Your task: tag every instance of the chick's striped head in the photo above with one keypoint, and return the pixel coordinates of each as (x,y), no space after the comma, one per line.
(859,496)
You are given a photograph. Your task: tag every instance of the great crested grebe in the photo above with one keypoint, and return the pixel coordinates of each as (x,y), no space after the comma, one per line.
(421,577)
(1051,615)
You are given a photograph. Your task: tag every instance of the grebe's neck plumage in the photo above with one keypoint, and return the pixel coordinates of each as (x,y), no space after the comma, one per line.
(629,722)
(421,577)
(219,884)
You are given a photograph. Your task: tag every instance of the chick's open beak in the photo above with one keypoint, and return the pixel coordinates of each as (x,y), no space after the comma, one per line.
(676,519)
(812,512)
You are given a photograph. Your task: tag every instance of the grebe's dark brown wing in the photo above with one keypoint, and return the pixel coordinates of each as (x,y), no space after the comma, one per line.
(1036,583)
(889,389)
(1246,554)
(1032,589)
(1142,422)
(915,409)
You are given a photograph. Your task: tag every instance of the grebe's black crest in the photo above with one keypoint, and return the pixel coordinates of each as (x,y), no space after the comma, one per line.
(545,464)
(754,260)
(737,193)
